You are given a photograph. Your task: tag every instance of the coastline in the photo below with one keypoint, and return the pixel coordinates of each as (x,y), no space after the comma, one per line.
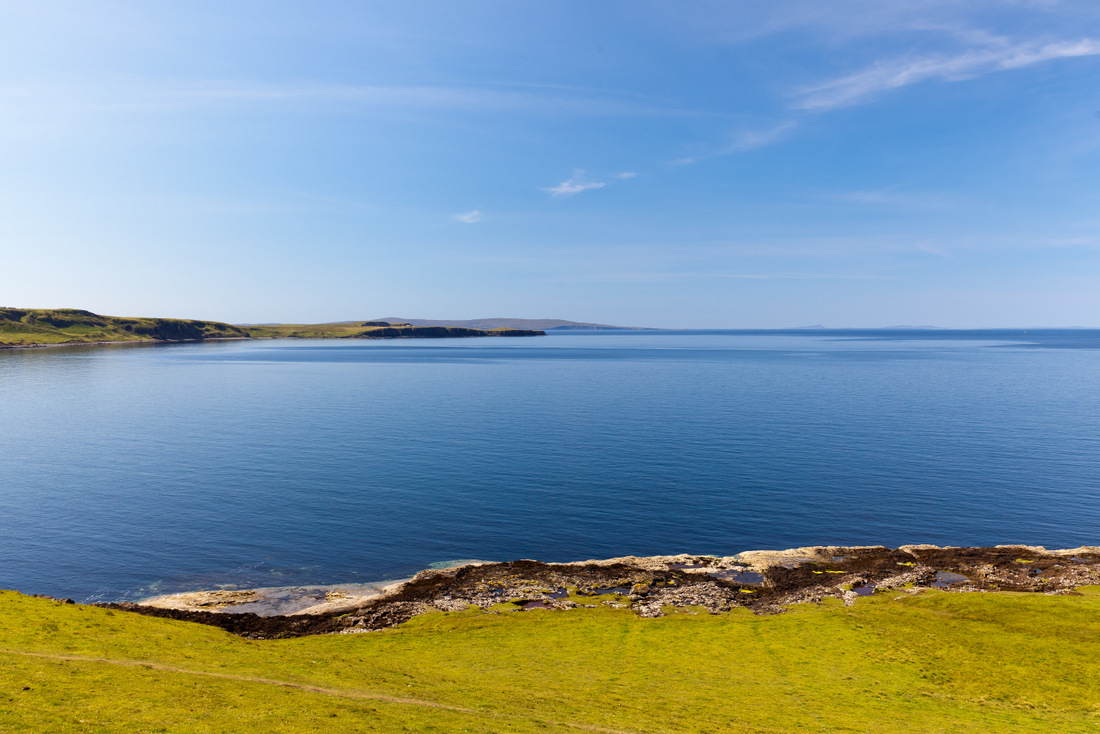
(421,335)
(763,581)
(918,659)
(69,326)
(46,345)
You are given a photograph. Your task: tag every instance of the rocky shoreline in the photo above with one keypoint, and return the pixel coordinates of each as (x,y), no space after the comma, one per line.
(765,582)
(48,345)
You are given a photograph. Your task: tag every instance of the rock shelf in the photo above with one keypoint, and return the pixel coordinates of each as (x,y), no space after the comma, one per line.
(764,582)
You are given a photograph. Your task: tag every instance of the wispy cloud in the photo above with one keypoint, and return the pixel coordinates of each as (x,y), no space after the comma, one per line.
(472,217)
(574,185)
(741,141)
(838,22)
(749,139)
(665,277)
(151,95)
(875,196)
(897,195)
(930,247)
(626,175)
(886,75)
(1091,242)
(571,187)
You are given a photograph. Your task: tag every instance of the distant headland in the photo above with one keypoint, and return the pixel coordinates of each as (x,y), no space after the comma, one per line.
(25,328)
(507,323)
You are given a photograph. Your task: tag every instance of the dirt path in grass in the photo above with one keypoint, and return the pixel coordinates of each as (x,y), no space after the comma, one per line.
(302,687)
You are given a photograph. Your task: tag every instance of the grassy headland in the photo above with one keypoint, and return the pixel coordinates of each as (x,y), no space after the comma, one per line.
(34,327)
(22,327)
(905,663)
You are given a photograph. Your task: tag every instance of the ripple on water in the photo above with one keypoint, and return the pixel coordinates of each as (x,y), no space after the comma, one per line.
(361,460)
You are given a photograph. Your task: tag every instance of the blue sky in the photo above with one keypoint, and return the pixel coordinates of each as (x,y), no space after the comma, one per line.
(691,164)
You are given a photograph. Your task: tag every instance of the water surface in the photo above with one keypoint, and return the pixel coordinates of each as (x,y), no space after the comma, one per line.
(140,469)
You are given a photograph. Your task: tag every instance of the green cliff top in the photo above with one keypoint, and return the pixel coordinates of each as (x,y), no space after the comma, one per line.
(902,663)
(24,327)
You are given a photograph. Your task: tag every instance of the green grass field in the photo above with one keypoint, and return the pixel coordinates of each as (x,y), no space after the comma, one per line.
(930,662)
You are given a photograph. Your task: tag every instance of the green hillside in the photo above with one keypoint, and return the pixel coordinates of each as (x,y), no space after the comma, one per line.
(60,326)
(26,327)
(904,663)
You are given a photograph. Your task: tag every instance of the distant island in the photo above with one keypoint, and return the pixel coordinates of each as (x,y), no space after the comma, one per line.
(507,323)
(377,329)
(22,328)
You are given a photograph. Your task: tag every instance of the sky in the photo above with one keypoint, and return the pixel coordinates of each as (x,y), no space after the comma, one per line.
(695,164)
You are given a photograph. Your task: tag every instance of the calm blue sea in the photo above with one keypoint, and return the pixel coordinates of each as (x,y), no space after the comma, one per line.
(132,470)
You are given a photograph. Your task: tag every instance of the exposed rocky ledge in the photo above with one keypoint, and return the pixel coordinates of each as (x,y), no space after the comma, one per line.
(762,581)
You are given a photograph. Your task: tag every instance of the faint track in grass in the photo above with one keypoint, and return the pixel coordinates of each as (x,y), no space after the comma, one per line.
(340,693)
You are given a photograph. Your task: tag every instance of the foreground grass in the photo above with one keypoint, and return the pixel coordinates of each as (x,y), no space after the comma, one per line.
(932,662)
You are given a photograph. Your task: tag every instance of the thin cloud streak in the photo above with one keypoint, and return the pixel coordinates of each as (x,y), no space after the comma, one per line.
(750,139)
(472,217)
(724,23)
(883,76)
(152,96)
(742,141)
(574,185)
(571,187)
(895,196)
(663,277)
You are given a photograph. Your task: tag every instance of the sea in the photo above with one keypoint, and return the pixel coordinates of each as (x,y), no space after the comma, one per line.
(133,470)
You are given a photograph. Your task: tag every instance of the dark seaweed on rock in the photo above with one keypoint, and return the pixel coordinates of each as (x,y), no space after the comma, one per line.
(703,585)
(251,626)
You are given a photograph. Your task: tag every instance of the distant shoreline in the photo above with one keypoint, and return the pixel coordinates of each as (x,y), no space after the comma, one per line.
(45,345)
(35,328)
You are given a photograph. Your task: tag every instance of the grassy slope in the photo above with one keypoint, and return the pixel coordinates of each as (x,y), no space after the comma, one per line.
(60,326)
(933,662)
(67,326)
